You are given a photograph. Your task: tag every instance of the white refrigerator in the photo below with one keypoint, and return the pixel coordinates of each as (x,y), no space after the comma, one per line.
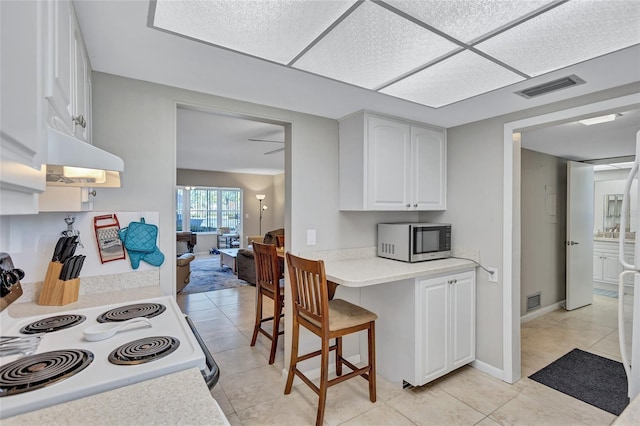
(631,366)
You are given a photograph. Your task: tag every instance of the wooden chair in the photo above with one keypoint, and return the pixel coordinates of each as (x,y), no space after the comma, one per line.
(268,283)
(280,240)
(328,319)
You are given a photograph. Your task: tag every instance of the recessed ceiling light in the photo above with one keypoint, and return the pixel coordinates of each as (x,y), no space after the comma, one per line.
(273,30)
(467,20)
(373,46)
(573,32)
(597,120)
(460,77)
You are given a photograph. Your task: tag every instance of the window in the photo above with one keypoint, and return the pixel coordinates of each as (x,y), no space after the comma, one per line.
(208,209)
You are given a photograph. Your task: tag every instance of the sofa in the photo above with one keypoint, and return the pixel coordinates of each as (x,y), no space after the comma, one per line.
(245,262)
(183,270)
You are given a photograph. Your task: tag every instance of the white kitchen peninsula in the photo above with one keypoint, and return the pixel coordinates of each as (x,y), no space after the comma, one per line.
(426,311)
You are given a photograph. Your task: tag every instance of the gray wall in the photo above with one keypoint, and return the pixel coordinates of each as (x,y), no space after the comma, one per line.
(544,184)
(271,186)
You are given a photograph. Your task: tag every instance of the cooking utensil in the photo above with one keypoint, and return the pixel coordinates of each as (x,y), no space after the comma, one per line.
(109,329)
(25,345)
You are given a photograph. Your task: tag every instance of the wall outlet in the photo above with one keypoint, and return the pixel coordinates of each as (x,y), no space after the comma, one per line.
(311,237)
(493,277)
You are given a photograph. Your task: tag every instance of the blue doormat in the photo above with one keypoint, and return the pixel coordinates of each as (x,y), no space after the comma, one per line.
(608,293)
(598,381)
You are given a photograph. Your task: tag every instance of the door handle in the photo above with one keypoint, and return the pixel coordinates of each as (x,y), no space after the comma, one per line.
(572,243)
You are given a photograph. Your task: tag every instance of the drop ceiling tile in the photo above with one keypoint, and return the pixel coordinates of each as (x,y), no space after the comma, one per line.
(274,30)
(373,46)
(467,20)
(459,77)
(568,34)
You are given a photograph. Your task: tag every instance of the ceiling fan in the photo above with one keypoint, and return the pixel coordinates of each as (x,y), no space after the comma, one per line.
(269,141)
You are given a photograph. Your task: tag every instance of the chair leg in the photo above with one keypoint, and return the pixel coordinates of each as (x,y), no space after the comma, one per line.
(324,379)
(294,355)
(338,356)
(277,307)
(372,360)
(257,325)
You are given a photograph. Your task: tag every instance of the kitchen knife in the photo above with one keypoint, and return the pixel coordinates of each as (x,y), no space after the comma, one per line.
(58,250)
(68,267)
(69,249)
(77,266)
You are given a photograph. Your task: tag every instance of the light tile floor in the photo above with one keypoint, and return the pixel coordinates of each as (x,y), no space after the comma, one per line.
(251,392)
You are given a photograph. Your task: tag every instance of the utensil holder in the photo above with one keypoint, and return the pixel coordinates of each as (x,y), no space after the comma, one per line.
(56,292)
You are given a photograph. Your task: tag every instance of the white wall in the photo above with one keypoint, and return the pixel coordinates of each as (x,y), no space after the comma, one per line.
(136,121)
(475,173)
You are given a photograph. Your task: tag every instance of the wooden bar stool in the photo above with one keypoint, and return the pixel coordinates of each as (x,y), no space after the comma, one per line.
(328,319)
(269,284)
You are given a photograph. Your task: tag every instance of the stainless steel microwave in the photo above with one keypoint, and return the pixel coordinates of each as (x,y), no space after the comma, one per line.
(414,242)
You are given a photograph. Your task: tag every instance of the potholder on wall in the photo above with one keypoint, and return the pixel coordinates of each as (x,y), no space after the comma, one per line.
(139,239)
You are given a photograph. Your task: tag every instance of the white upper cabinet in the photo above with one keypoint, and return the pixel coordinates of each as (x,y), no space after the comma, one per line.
(23,147)
(391,164)
(68,87)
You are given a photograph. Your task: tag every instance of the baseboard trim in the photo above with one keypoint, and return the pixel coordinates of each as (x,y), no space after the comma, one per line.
(489,369)
(542,311)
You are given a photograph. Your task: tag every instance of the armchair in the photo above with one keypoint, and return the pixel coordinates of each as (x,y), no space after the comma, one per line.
(245,262)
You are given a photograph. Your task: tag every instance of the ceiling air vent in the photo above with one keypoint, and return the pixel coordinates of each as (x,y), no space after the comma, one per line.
(551,86)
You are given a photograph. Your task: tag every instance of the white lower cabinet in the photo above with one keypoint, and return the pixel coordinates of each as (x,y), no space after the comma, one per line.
(425,327)
(606,261)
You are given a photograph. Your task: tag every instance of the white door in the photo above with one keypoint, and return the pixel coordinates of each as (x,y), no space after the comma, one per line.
(579,235)
(462,293)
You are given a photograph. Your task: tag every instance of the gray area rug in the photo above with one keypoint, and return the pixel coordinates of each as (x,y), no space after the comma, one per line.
(208,275)
(591,378)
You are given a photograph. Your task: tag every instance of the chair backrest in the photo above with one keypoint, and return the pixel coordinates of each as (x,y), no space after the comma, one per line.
(280,240)
(309,291)
(268,272)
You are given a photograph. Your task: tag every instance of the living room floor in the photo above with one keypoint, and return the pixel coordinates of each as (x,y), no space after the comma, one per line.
(251,392)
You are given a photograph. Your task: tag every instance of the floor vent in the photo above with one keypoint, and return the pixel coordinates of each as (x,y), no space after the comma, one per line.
(533,301)
(551,86)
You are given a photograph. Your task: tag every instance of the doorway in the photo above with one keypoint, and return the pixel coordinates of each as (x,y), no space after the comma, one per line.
(512,213)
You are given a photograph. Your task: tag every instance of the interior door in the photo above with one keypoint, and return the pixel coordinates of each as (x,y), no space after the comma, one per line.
(579,235)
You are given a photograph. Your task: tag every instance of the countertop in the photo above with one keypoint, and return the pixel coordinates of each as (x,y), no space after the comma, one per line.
(178,398)
(362,268)
(613,240)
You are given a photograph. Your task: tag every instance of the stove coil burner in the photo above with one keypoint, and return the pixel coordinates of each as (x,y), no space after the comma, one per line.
(144,350)
(50,324)
(123,313)
(39,370)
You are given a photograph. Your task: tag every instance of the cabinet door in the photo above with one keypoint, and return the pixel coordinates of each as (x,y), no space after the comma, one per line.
(81,88)
(428,181)
(59,88)
(611,268)
(432,323)
(462,303)
(597,266)
(22,142)
(388,164)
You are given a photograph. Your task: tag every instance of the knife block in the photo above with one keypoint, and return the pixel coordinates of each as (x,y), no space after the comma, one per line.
(56,292)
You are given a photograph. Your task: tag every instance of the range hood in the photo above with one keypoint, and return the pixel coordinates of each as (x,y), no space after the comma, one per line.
(72,162)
